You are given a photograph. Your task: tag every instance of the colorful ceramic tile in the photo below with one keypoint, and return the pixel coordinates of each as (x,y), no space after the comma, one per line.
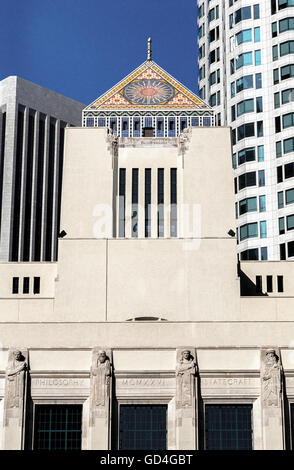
(149,86)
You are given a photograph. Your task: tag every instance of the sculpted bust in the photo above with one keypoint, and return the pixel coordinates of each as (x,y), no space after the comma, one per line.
(271,379)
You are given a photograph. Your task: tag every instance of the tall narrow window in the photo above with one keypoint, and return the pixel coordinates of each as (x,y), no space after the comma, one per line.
(258,284)
(173,202)
(262,203)
(36,285)
(58,427)
(260,153)
(50,191)
(125,127)
(282,251)
(17,184)
(122,202)
(2,153)
(281,225)
(263,253)
(280,280)
(143,427)
(228,427)
(136,127)
(113,125)
(60,173)
(148,202)
(160,127)
(183,123)
(15,285)
(160,202)
(135,183)
(269,283)
(39,192)
(171,127)
(26,285)
(263,229)
(28,192)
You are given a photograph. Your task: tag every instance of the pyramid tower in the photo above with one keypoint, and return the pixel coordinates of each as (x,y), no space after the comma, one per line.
(149,101)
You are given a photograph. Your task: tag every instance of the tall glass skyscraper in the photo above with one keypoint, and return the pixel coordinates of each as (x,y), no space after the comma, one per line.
(246,72)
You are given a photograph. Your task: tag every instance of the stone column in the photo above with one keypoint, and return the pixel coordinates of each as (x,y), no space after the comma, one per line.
(186,399)
(100,400)
(15,399)
(272,399)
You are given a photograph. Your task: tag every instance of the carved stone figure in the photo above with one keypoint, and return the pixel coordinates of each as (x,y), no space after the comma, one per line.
(15,379)
(112,142)
(271,379)
(186,369)
(184,139)
(101,373)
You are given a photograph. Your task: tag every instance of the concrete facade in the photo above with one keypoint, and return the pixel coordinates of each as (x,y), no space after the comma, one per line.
(147,309)
(144,301)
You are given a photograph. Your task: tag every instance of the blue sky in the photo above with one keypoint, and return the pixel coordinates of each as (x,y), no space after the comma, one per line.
(81,48)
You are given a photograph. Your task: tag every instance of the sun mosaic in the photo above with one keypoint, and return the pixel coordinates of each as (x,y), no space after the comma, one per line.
(149,92)
(149,86)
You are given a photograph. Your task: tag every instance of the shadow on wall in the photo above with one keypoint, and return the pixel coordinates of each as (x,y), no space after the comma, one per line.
(248,287)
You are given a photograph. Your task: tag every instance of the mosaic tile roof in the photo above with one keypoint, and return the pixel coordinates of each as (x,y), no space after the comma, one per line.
(149,86)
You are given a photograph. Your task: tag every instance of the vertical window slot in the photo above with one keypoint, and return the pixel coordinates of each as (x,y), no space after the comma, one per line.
(269,283)
(122,204)
(148,202)
(160,202)
(173,202)
(135,183)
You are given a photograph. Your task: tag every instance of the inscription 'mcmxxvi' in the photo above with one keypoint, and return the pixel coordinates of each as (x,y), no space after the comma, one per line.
(150,382)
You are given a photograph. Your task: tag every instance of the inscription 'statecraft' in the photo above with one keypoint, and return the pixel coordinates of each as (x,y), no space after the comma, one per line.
(227,382)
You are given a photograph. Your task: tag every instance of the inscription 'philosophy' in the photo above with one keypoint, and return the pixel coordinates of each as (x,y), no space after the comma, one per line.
(58,382)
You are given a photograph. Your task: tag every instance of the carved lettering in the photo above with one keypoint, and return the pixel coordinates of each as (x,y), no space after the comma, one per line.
(58,382)
(136,382)
(227,382)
